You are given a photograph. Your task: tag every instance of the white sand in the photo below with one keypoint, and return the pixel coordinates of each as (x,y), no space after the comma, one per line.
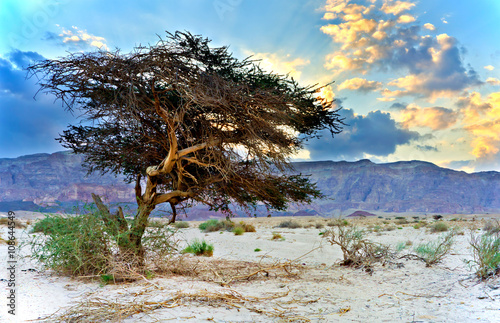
(412,293)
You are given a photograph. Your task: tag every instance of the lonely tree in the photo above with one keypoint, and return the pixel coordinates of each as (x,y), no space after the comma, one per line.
(191,123)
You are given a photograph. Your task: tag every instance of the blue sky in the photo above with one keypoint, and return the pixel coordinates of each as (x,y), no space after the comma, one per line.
(416,79)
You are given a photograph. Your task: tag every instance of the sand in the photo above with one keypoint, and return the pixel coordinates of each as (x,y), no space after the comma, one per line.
(323,291)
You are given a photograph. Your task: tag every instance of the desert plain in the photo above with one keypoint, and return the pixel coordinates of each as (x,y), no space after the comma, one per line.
(252,277)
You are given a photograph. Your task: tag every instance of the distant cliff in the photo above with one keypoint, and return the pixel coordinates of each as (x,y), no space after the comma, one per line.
(412,186)
(415,186)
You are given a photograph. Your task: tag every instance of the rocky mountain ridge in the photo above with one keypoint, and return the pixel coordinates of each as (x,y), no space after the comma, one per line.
(414,186)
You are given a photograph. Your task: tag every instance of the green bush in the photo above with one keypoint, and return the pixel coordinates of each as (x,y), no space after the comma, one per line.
(55,224)
(199,248)
(213,225)
(486,252)
(289,224)
(439,227)
(75,245)
(181,225)
(257,250)
(238,231)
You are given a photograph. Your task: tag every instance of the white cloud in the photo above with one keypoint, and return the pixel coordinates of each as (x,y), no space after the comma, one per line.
(489,67)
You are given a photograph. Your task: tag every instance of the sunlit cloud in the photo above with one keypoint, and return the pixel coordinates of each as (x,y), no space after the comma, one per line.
(272,62)
(359,84)
(482,120)
(493,81)
(389,38)
(396,7)
(489,67)
(429,26)
(435,118)
(80,37)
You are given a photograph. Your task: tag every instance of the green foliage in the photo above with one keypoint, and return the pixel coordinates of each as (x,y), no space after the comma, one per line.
(75,245)
(238,231)
(434,252)
(439,227)
(289,224)
(257,250)
(199,248)
(52,224)
(213,225)
(181,225)
(486,253)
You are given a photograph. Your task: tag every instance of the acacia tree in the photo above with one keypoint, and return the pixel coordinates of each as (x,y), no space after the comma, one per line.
(191,123)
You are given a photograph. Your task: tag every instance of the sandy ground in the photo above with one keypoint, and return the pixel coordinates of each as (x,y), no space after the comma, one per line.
(323,291)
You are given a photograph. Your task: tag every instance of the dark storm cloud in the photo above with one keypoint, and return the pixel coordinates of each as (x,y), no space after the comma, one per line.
(375,134)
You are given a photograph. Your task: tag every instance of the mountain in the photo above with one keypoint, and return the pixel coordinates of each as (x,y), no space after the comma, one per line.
(408,186)
(38,180)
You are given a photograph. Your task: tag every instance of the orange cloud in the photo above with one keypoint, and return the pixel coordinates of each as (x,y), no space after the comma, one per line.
(489,67)
(405,19)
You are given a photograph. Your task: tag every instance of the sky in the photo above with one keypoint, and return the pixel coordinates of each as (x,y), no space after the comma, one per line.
(416,80)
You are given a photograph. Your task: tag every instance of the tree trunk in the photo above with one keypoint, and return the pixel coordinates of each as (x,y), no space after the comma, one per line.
(174,213)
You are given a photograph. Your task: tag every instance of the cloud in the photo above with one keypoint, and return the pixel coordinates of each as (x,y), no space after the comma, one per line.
(481,118)
(389,39)
(426,148)
(375,134)
(435,118)
(359,84)
(493,81)
(77,39)
(396,7)
(26,125)
(489,67)
(429,26)
(272,62)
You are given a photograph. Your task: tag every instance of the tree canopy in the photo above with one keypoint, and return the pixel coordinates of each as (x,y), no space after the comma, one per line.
(190,120)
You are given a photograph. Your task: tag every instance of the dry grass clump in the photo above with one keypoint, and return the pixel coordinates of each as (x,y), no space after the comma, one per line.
(401,221)
(277,236)
(289,224)
(492,227)
(17,223)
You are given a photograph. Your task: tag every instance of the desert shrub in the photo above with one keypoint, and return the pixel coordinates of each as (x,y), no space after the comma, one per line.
(238,231)
(247,227)
(400,218)
(289,224)
(320,225)
(257,250)
(357,251)
(277,236)
(492,227)
(157,224)
(439,227)
(389,228)
(400,246)
(434,252)
(337,222)
(486,253)
(402,221)
(199,248)
(181,225)
(81,245)
(377,228)
(52,224)
(417,226)
(75,245)
(216,225)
